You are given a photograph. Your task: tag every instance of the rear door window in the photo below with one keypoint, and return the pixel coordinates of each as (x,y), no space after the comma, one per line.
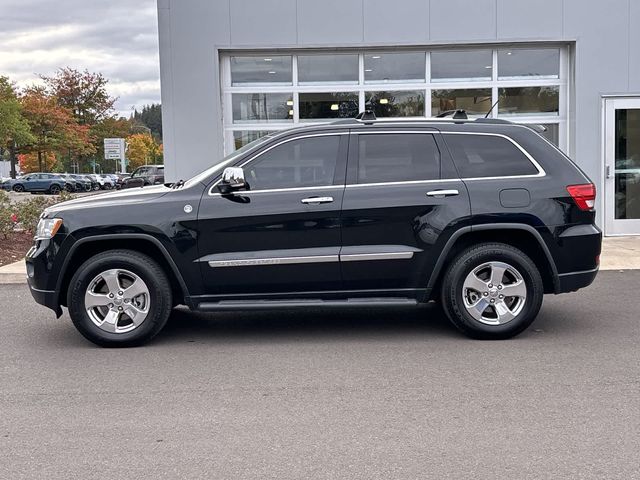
(481,156)
(397,157)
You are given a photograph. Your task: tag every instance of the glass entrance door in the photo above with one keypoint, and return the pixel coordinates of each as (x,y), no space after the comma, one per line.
(622,166)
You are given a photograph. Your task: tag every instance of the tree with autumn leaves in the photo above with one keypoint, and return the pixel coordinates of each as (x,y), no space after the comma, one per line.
(143,150)
(61,124)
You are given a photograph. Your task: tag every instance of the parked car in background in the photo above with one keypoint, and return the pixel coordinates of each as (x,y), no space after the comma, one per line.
(144,176)
(83,181)
(38,183)
(105,181)
(72,184)
(95,182)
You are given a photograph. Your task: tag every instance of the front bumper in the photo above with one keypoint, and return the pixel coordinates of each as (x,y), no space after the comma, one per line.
(46,298)
(42,262)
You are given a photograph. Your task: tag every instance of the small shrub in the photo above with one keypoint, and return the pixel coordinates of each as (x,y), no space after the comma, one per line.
(30,210)
(7,215)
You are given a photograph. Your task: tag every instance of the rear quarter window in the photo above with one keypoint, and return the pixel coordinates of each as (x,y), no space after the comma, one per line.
(481,156)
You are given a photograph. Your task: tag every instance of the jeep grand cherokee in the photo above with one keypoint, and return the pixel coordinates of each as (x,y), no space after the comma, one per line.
(483,216)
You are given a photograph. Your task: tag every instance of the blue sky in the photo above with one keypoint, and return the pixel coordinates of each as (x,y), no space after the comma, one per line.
(116,37)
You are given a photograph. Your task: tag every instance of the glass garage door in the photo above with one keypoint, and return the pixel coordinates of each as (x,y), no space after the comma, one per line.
(268,91)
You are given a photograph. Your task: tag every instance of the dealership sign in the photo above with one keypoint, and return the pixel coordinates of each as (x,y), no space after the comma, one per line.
(114,148)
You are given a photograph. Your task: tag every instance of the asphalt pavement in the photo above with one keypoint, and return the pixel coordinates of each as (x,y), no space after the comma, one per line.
(391,394)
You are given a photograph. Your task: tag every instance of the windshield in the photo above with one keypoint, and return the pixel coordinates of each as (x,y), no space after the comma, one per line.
(228,160)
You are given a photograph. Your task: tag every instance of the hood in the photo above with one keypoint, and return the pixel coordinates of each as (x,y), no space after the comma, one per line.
(123,197)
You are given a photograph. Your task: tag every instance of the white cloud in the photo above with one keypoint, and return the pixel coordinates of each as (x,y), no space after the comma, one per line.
(118,38)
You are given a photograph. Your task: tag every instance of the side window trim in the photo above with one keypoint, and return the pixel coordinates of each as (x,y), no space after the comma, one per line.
(541,171)
(354,150)
(340,161)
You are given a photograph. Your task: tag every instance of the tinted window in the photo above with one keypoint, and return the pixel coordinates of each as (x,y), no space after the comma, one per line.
(323,69)
(488,156)
(447,66)
(306,162)
(261,70)
(528,62)
(397,67)
(397,158)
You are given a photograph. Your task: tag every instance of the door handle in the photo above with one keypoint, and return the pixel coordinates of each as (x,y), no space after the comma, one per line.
(609,171)
(442,193)
(316,200)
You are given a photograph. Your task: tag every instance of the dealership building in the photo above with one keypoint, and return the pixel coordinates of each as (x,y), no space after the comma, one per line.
(235,70)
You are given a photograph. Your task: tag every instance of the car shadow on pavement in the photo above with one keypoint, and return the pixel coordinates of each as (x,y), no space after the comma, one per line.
(319,324)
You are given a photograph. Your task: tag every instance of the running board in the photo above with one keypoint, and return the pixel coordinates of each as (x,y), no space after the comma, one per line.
(234,305)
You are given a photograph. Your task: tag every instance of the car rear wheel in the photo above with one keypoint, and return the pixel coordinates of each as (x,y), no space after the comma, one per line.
(54,189)
(18,188)
(492,291)
(120,298)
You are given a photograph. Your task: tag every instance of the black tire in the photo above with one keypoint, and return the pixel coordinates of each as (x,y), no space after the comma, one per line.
(54,189)
(95,188)
(474,257)
(148,270)
(18,188)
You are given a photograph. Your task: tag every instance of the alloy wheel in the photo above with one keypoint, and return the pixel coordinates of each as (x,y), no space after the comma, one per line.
(494,293)
(117,301)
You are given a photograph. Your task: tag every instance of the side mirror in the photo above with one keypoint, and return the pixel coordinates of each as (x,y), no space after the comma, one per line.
(232,179)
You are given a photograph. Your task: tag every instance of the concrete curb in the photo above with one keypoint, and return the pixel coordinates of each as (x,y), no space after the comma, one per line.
(16,273)
(618,253)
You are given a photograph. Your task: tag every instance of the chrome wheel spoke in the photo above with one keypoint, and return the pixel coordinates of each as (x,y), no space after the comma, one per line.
(110,278)
(518,289)
(138,287)
(110,322)
(504,314)
(475,283)
(92,300)
(477,309)
(497,273)
(137,315)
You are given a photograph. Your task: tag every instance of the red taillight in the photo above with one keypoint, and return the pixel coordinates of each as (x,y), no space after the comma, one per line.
(584,195)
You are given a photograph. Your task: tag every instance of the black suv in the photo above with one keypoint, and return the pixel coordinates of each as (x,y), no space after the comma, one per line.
(483,216)
(144,176)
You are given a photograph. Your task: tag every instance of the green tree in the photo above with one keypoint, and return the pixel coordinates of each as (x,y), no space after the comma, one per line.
(14,128)
(150,117)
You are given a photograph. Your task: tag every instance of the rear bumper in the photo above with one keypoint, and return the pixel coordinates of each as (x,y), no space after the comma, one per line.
(570,282)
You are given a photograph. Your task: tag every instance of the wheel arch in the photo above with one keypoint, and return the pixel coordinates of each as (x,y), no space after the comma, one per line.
(521,236)
(85,248)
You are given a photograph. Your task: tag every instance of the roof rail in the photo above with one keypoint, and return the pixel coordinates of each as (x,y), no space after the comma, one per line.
(366,116)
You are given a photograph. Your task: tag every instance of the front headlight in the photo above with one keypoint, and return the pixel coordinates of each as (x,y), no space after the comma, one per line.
(47,228)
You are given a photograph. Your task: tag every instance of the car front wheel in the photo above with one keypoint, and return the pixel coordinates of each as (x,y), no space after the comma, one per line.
(120,298)
(492,291)
(54,190)
(18,188)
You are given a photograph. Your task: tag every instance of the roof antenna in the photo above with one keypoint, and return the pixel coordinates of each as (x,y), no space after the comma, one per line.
(491,109)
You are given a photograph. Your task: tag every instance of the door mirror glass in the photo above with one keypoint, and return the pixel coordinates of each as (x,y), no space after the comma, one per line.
(232,179)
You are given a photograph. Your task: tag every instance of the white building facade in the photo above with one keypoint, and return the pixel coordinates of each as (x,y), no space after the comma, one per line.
(234,70)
